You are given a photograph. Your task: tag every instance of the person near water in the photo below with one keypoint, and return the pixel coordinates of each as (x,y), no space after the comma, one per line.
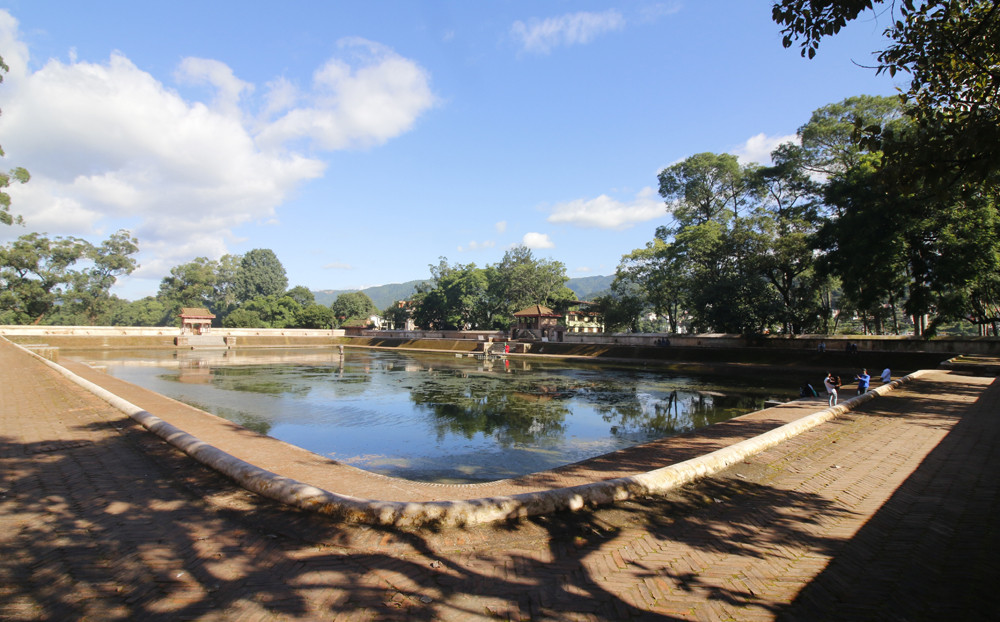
(863,381)
(831,388)
(807,390)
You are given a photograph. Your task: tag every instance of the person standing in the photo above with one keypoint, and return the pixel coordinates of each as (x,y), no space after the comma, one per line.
(831,388)
(863,381)
(886,376)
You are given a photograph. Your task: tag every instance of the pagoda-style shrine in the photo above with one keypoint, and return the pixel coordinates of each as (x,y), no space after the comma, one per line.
(196,321)
(538,322)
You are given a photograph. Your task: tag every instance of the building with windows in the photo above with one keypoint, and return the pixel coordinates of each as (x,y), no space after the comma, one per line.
(582,318)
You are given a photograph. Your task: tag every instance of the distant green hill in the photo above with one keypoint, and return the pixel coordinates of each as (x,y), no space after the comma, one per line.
(385,295)
(382,295)
(586,287)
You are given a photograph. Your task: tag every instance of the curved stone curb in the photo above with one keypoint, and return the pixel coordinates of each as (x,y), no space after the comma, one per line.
(466,512)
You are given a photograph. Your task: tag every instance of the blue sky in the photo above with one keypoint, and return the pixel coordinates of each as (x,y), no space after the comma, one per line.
(363,141)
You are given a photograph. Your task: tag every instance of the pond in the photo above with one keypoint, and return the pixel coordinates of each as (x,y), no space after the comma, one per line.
(441,417)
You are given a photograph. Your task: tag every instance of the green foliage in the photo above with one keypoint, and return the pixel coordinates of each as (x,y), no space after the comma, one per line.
(274,311)
(711,266)
(830,139)
(301,295)
(315,316)
(17,174)
(454,300)
(260,274)
(622,308)
(40,281)
(708,187)
(466,297)
(89,295)
(397,314)
(949,50)
(224,290)
(520,280)
(243,318)
(148,311)
(189,285)
(352,306)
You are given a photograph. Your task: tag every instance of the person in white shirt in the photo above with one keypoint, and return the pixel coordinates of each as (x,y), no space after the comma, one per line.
(831,388)
(886,376)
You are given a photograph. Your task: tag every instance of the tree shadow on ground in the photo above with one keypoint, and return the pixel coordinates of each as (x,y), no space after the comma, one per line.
(111,523)
(929,553)
(126,527)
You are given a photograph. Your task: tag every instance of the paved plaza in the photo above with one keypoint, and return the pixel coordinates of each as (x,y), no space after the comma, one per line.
(889,512)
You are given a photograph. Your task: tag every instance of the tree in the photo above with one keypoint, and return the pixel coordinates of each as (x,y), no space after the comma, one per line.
(622,307)
(707,187)
(273,311)
(301,295)
(658,271)
(224,290)
(34,273)
(716,247)
(189,285)
(949,49)
(260,274)
(243,318)
(830,140)
(397,314)
(18,174)
(789,219)
(146,311)
(454,299)
(926,251)
(351,306)
(315,316)
(520,280)
(90,294)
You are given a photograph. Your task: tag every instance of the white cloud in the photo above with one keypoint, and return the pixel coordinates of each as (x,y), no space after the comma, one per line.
(758,148)
(604,212)
(537,240)
(338,266)
(475,246)
(229,88)
(653,12)
(354,106)
(501,226)
(108,145)
(541,35)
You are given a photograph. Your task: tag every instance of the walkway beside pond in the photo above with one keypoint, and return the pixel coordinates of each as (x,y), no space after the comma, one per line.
(887,512)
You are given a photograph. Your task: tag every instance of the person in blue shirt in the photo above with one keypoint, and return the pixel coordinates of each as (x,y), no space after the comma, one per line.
(863,380)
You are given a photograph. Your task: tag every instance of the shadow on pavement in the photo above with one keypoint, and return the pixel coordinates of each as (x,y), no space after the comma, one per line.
(119,529)
(929,553)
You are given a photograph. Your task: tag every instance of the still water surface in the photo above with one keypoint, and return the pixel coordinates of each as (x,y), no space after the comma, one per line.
(440,417)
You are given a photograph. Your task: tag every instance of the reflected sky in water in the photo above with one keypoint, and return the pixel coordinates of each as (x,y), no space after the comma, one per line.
(440,417)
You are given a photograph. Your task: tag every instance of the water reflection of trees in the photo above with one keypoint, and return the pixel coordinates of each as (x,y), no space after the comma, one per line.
(532,408)
(513,411)
(248,420)
(642,416)
(277,380)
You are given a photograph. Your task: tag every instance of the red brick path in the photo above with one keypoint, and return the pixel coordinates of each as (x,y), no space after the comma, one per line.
(887,513)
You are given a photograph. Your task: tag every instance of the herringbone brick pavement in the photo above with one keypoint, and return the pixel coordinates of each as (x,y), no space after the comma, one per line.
(889,513)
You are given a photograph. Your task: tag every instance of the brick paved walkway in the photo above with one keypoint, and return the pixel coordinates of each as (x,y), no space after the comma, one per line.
(887,513)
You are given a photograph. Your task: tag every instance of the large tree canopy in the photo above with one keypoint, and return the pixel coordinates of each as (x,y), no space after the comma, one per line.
(260,274)
(353,306)
(40,278)
(950,50)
